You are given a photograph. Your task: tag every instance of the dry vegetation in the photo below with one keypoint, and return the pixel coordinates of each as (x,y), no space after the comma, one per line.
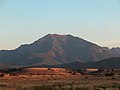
(57,79)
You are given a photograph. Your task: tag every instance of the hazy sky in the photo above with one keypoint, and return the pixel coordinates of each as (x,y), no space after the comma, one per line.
(24,21)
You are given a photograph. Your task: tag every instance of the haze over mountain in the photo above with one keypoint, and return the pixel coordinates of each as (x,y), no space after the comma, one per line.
(54,49)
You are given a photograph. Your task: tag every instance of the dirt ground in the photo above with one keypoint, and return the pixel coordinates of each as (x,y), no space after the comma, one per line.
(60,78)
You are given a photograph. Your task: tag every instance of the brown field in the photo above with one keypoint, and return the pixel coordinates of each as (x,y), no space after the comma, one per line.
(57,79)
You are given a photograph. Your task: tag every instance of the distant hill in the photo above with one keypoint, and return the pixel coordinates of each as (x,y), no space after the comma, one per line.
(54,49)
(106,63)
(2,66)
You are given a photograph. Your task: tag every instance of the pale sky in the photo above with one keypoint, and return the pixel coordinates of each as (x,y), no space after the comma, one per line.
(24,21)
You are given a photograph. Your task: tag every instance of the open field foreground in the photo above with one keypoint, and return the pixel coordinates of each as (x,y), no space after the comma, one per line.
(57,79)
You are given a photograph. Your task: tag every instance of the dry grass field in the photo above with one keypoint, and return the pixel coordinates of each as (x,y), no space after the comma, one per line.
(57,79)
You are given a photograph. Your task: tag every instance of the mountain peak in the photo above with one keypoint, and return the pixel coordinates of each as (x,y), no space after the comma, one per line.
(56,36)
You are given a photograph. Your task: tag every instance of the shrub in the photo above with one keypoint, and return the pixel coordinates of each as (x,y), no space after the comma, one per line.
(74,73)
(86,77)
(2,74)
(12,74)
(49,69)
(112,78)
(37,74)
(109,74)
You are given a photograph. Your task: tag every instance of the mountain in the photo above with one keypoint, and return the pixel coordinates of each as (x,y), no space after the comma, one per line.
(54,49)
(113,62)
(76,64)
(2,66)
(116,51)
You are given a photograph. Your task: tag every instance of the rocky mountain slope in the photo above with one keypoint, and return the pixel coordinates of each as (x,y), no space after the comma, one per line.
(54,49)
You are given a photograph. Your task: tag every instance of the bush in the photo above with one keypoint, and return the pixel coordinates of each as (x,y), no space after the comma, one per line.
(2,74)
(109,74)
(50,69)
(73,73)
(12,74)
(86,77)
(112,78)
